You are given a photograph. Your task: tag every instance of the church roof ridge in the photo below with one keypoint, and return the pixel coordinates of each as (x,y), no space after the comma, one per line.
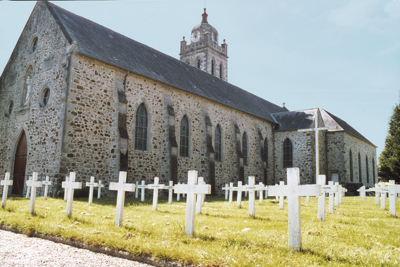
(105,45)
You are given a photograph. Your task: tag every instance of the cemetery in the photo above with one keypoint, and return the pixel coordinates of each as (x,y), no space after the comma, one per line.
(254,233)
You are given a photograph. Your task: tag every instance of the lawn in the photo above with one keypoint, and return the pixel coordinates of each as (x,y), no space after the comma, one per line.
(358,233)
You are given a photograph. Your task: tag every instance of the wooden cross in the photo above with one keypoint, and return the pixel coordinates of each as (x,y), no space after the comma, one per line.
(200,197)
(170,188)
(28,188)
(142,187)
(316,131)
(293,190)
(226,188)
(362,192)
(230,192)
(251,188)
(191,189)
(70,186)
(156,186)
(121,187)
(393,191)
(101,185)
(321,180)
(66,190)
(46,187)
(5,183)
(92,184)
(34,183)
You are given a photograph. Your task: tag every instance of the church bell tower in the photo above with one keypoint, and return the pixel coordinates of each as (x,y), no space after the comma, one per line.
(203,52)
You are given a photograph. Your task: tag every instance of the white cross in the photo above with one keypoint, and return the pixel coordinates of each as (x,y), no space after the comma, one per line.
(200,197)
(142,187)
(101,185)
(362,192)
(191,189)
(66,190)
(92,184)
(156,186)
(230,192)
(251,188)
(276,198)
(342,194)
(239,194)
(226,188)
(266,192)
(170,188)
(332,191)
(393,191)
(321,180)
(137,189)
(121,187)
(5,183)
(34,183)
(70,186)
(383,191)
(316,131)
(337,194)
(293,190)
(178,196)
(28,188)
(308,198)
(46,187)
(262,188)
(281,198)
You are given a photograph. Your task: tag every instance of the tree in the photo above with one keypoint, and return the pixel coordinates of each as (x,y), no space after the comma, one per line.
(389,160)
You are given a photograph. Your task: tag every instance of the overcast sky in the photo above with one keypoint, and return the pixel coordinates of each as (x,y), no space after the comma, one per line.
(342,55)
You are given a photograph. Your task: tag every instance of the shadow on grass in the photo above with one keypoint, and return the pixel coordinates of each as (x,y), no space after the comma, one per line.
(325,257)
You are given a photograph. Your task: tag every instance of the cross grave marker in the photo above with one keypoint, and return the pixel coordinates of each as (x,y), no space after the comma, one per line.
(262,188)
(66,190)
(337,194)
(5,183)
(230,192)
(293,190)
(170,188)
(362,192)
(252,188)
(46,187)
(28,188)
(226,188)
(333,190)
(142,186)
(383,191)
(156,186)
(330,188)
(191,189)
(100,186)
(239,194)
(121,187)
(34,183)
(91,184)
(70,186)
(200,197)
(393,191)
(281,198)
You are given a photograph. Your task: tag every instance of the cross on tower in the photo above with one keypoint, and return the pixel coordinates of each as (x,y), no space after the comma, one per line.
(46,187)
(70,186)
(191,189)
(5,183)
(293,190)
(34,183)
(316,130)
(91,184)
(121,187)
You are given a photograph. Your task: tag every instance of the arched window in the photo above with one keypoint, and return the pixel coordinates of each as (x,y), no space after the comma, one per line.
(373,171)
(218,143)
(351,166)
(141,128)
(184,144)
(198,63)
(212,67)
(359,168)
(366,167)
(287,153)
(244,148)
(220,71)
(265,154)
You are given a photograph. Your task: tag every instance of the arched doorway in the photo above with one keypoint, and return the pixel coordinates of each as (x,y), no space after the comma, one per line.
(20,165)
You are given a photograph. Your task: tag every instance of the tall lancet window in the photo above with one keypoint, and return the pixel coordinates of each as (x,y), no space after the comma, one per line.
(366,167)
(198,63)
(141,128)
(359,168)
(184,138)
(244,148)
(220,71)
(265,152)
(351,166)
(218,143)
(373,171)
(212,68)
(287,153)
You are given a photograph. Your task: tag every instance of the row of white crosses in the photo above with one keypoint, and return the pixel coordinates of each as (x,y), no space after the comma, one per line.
(143,187)
(381,190)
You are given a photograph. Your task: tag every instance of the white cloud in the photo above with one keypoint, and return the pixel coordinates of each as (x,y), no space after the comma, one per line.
(393,8)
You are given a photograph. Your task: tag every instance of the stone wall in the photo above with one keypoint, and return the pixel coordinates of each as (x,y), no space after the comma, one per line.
(43,126)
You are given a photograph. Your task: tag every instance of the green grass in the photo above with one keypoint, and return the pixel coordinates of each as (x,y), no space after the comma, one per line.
(359,233)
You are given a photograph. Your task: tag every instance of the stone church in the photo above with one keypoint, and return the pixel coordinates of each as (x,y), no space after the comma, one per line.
(76,96)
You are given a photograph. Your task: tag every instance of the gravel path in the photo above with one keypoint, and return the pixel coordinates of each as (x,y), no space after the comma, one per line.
(20,250)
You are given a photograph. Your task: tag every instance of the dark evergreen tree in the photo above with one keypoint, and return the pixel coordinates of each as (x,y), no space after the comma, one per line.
(389,160)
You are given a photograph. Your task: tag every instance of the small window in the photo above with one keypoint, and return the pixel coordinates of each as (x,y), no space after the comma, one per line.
(287,154)
(184,138)
(141,128)
(366,167)
(244,148)
(218,143)
(9,108)
(220,71)
(34,44)
(45,97)
(212,68)
(198,64)
(265,154)
(359,168)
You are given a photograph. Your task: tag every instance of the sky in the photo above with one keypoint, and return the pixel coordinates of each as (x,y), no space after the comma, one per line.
(342,56)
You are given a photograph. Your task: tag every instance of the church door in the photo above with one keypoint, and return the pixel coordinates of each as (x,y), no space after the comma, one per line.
(20,165)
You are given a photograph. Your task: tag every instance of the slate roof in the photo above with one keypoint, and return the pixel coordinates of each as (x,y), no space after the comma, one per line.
(105,45)
(294,120)
(331,120)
